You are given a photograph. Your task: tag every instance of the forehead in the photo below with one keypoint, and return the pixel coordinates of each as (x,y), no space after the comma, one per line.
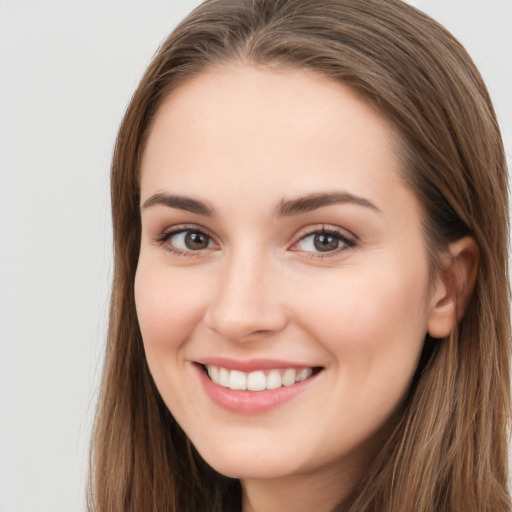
(280,131)
(229,94)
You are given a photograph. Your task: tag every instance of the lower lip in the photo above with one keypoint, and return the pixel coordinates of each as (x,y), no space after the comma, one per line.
(251,402)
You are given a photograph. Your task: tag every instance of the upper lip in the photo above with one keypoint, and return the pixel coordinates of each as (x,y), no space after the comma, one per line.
(251,365)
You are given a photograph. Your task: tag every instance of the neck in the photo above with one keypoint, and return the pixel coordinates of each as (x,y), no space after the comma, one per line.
(329,489)
(300,493)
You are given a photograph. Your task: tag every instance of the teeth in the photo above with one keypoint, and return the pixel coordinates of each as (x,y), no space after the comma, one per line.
(289,377)
(237,380)
(274,380)
(303,374)
(223,377)
(214,373)
(258,380)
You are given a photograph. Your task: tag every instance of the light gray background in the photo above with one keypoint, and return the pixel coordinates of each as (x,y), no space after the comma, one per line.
(67,70)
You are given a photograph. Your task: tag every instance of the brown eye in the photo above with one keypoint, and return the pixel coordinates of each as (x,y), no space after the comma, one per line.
(196,241)
(185,241)
(324,242)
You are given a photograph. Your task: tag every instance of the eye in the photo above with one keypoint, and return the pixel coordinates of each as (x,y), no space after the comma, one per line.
(191,240)
(184,241)
(324,241)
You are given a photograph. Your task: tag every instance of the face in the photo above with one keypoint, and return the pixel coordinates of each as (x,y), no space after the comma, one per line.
(282,288)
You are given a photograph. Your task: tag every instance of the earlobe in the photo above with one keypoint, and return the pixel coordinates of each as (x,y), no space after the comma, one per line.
(453,287)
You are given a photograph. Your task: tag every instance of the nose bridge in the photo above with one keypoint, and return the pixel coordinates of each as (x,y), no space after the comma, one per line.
(246,299)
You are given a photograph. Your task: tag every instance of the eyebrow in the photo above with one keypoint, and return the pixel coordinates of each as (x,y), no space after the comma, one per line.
(286,207)
(310,202)
(180,202)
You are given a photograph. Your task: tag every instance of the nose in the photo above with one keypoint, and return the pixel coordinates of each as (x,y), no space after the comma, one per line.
(246,302)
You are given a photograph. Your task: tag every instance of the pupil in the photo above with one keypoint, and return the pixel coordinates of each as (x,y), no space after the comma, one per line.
(196,241)
(324,243)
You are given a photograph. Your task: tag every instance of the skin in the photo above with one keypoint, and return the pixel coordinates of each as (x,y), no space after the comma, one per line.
(242,140)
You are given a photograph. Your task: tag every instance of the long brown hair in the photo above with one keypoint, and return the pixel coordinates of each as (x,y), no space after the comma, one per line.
(449,451)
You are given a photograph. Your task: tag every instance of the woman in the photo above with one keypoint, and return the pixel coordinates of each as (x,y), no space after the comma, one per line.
(310,301)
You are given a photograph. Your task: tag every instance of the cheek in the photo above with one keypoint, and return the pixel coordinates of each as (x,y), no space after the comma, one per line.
(168,309)
(372,322)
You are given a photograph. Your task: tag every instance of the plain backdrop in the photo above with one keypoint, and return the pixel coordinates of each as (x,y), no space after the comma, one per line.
(67,71)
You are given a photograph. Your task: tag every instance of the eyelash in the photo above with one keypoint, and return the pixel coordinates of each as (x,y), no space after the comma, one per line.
(346,241)
(165,236)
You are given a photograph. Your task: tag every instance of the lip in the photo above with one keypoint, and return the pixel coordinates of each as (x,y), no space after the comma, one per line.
(252,365)
(251,402)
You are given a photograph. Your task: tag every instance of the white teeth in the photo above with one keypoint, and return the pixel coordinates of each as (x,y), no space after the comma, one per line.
(289,377)
(258,380)
(224,377)
(237,380)
(274,379)
(213,372)
(303,374)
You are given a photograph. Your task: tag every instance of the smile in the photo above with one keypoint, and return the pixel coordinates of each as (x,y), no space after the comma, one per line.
(256,386)
(258,380)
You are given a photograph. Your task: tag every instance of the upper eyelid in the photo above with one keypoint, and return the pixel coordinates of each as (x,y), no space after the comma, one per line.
(179,228)
(324,228)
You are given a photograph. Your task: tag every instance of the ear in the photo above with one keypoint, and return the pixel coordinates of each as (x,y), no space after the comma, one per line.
(453,286)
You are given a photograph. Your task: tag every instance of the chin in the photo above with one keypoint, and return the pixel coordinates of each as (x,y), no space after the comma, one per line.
(240,465)
(242,470)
